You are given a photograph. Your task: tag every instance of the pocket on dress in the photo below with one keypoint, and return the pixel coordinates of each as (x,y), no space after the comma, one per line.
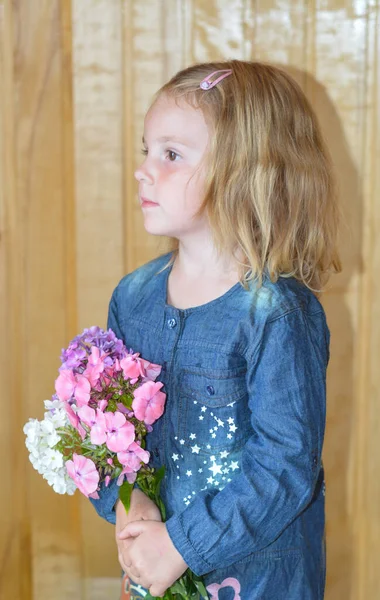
(213,412)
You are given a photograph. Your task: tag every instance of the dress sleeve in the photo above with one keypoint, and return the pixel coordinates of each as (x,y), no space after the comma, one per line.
(108,495)
(280,464)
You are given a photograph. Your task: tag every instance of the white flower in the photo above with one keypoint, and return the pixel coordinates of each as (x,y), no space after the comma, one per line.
(52,459)
(32,429)
(56,413)
(41,438)
(60,481)
(48,431)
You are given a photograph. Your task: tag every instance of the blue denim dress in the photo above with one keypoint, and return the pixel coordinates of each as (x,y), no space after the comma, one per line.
(242,433)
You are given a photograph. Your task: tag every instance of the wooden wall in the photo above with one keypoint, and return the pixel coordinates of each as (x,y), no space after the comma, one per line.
(76,77)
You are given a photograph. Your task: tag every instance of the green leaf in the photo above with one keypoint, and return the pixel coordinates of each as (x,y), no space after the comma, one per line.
(200,587)
(125,492)
(160,473)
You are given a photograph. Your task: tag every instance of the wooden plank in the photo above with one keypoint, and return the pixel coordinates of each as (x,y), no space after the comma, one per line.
(99,211)
(368,516)
(41,199)
(336,58)
(15,543)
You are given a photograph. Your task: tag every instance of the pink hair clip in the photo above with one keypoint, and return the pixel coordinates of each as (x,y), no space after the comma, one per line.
(206,84)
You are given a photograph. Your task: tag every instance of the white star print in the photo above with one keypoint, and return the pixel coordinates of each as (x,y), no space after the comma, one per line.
(211,430)
(203,409)
(192,436)
(195,449)
(200,470)
(208,446)
(233,428)
(230,421)
(182,442)
(229,436)
(232,403)
(201,417)
(210,480)
(220,423)
(195,402)
(216,469)
(234,465)
(175,457)
(189,473)
(213,435)
(224,454)
(212,458)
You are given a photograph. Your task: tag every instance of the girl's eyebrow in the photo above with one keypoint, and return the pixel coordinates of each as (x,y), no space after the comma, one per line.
(168,138)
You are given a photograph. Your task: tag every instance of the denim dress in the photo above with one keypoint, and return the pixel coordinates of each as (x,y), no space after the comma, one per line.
(242,433)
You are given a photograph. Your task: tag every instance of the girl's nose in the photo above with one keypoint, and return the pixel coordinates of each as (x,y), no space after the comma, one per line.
(142,174)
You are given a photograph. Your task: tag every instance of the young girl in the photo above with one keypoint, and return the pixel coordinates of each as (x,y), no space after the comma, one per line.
(237,175)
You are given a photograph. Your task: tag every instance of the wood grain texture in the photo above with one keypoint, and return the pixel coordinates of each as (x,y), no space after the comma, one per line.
(15,539)
(77,77)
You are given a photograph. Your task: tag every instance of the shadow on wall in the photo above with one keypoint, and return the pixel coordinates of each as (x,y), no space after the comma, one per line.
(340,385)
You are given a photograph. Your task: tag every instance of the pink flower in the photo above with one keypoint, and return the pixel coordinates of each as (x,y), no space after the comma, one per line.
(132,458)
(68,385)
(149,402)
(130,477)
(229,582)
(74,420)
(83,471)
(132,367)
(96,421)
(120,433)
(152,371)
(95,366)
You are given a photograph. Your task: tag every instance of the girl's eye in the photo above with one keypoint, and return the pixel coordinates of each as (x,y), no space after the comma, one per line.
(144,151)
(172,155)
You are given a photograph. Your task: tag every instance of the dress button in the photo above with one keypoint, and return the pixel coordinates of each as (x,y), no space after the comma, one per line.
(172,323)
(210,390)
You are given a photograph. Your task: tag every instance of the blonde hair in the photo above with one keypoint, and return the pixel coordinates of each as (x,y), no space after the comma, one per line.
(270,191)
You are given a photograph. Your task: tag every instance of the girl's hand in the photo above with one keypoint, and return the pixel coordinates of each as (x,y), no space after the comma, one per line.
(142,508)
(154,561)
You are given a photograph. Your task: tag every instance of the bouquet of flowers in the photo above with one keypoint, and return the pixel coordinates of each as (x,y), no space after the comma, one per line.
(95,425)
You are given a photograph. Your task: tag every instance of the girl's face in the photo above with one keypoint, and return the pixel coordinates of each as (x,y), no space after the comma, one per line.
(172,176)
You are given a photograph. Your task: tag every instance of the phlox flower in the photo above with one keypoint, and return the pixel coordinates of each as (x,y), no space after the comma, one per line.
(74,419)
(96,421)
(152,371)
(95,366)
(52,459)
(132,367)
(120,433)
(132,458)
(69,384)
(48,432)
(148,403)
(83,472)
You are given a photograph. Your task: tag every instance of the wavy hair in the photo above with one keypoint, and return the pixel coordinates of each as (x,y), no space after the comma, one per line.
(270,192)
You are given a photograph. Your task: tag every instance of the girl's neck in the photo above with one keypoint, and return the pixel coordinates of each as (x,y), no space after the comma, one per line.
(202,262)
(197,278)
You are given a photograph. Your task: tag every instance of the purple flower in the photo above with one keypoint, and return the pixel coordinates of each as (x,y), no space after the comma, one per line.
(76,355)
